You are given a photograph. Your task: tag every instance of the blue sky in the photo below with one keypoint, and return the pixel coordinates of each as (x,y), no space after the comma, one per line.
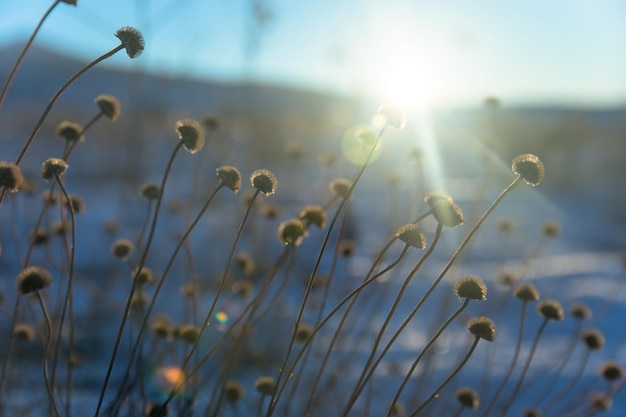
(444,52)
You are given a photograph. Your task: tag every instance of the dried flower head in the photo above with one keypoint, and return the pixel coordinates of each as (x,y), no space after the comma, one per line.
(393,115)
(59,228)
(122,248)
(265,385)
(71,132)
(291,232)
(140,300)
(347,248)
(75,203)
(611,371)
(303,332)
(412,235)
(24,332)
(340,187)
(190,134)
(470,287)
(52,168)
(314,215)
(448,213)
(271,211)
(435,196)
(33,278)
(506,278)
(150,190)
(229,177)
(39,236)
(527,293)
(593,339)
(529,167)
(550,310)
(264,181)
(145,276)
(550,229)
(580,311)
(234,391)
(482,327)
(245,263)
(189,333)
(188,289)
(161,327)
(601,401)
(468,398)
(11,176)
(243,289)
(132,40)
(109,106)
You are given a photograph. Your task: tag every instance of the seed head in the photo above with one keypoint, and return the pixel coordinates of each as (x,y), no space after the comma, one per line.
(550,310)
(139,300)
(229,177)
(52,168)
(76,203)
(601,401)
(394,116)
(580,311)
(264,181)
(314,215)
(340,187)
(412,235)
(243,289)
(435,196)
(234,391)
(527,293)
(482,327)
(448,213)
(593,339)
(122,248)
(506,225)
(245,263)
(71,132)
(468,398)
(191,135)
(39,236)
(109,106)
(24,332)
(211,122)
(161,327)
(145,276)
(270,211)
(303,332)
(189,333)
(471,287)
(132,41)
(188,289)
(11,176)
(347,248)
(291,232)
(529,167)
(33,278)
(550,229)
(611,371)
(150,190)
(265,385)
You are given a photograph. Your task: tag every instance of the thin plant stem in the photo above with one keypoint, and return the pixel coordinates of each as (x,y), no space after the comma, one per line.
(428,345)
(142,261)
(568,388)
(44,365)
(456,370)
(509,372)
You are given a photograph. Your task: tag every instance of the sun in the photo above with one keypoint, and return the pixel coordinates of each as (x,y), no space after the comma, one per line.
(408,83)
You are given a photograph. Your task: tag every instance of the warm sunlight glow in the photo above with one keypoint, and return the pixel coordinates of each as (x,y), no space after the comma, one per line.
(171,376)
(409,84)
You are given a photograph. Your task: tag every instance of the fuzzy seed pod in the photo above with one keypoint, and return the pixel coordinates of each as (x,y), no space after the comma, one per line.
(611,371)
(601,401)
(397,409)
(76,203)
(24,332)
(593,339)
(190,134)
(39,236)
(303,332)
(245,263)
(264,181)
(550,309)
(71,132)
(58,228)
(435,196)
(122,248)
(161,327)
(291,232)
(109,106)
(394,116)
(188,290)
(150,190)
(468,398)
(471,287)
(265,385)
(234,391)
(527,293)
(11,176)
(529,167)
(52,168)
(243,289)
(33,278)
(412,235)
(146,276)
(550,229)
(347,248)
(229,177)
(482,327)
(314,215)
(140,300)
(132,40)
(340,187)
(580,311)
(189,333)
(448,213)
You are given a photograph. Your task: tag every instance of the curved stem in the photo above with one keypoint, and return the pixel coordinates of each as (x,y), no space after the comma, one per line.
(421,355)
(44,366)
(448,379)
